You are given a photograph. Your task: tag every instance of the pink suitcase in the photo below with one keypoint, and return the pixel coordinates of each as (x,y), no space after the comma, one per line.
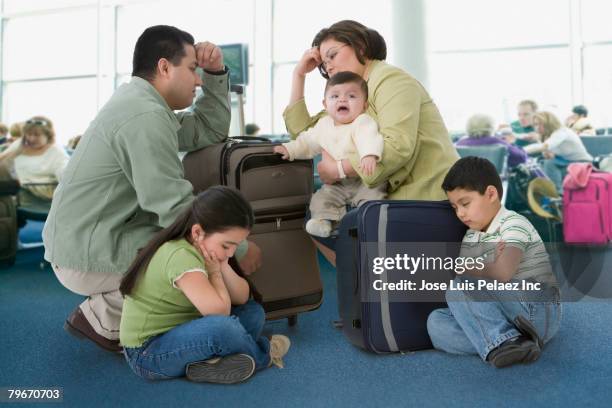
(587,205)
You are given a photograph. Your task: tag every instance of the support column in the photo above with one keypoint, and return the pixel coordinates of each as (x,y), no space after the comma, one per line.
(409,38)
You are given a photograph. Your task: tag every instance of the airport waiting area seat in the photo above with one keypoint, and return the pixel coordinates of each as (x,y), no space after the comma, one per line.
(598,145)
(496,154)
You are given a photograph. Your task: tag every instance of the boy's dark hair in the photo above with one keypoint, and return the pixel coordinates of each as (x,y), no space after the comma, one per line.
(155,43)
(473,174)
(346,77)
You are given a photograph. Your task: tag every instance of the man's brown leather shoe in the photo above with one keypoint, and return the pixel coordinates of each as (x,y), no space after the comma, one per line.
(78,326)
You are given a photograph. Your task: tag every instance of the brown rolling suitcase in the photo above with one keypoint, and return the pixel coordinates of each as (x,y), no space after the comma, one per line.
(279,192)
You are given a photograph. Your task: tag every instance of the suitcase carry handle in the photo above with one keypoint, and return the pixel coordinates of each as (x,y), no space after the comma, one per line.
(251,138)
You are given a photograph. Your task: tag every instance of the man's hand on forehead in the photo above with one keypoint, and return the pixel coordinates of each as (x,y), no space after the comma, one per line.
(209,56)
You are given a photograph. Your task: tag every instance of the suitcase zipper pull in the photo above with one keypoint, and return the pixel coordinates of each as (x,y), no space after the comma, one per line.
(278,222)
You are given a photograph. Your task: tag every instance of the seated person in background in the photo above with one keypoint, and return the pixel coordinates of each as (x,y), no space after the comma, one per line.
(523,127)
(38,162)
(504,327)
(479,130)
(579,122)
(15,131)
(560,146)
(345,129)
(3,133)
(251,129)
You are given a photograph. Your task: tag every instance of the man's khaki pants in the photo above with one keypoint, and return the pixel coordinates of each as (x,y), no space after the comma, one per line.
(102,308)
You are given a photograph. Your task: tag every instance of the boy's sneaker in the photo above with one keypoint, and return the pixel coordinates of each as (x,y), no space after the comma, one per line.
(279,346)
(230,369)
(319,228)
(514,351)
(528,330)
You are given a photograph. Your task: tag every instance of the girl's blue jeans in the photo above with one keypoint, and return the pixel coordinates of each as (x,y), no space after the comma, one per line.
(471,326)
(166,355)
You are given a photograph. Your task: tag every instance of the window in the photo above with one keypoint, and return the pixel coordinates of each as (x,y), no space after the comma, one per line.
(483,55)
(598,84)
(20,6)
(70,104)
(482,24)
(51,45)
(494,82)
(596,20)
(487,56)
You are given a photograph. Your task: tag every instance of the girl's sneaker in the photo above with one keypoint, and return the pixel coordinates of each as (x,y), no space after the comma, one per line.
(230,369)
(279,346)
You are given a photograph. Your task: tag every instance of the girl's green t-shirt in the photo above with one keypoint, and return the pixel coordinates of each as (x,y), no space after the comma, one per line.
(156,305)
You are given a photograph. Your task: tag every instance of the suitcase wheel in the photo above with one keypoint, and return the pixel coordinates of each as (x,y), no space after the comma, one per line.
(292,320)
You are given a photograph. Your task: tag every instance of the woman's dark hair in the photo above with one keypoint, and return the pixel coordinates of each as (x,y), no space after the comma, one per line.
(366,42)
(155,43)
(473,174)
(216,210)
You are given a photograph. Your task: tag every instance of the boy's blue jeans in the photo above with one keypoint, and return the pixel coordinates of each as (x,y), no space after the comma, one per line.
(166,356)
(471,326)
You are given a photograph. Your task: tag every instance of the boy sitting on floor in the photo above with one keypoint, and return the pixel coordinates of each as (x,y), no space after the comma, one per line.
(501,322)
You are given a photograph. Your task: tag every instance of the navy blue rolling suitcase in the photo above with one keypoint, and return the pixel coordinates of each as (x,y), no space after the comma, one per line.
(373,320)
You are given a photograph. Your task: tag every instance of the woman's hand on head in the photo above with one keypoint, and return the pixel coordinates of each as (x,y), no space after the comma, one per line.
(309,61)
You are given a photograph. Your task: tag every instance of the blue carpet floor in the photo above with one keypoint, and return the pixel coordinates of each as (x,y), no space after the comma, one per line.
(322,368)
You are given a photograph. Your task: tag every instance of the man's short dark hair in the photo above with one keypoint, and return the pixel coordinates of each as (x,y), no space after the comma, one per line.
(346,77)
(473,174)
(155,43)
(581,110)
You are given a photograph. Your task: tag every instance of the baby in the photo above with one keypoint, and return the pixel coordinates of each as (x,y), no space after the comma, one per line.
(344,130)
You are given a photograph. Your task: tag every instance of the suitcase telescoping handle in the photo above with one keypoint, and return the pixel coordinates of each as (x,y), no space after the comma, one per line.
(250,138)
(239,91)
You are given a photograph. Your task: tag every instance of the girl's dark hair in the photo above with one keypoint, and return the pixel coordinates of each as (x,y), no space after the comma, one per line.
(216,210)
(155,43)
(366,42)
